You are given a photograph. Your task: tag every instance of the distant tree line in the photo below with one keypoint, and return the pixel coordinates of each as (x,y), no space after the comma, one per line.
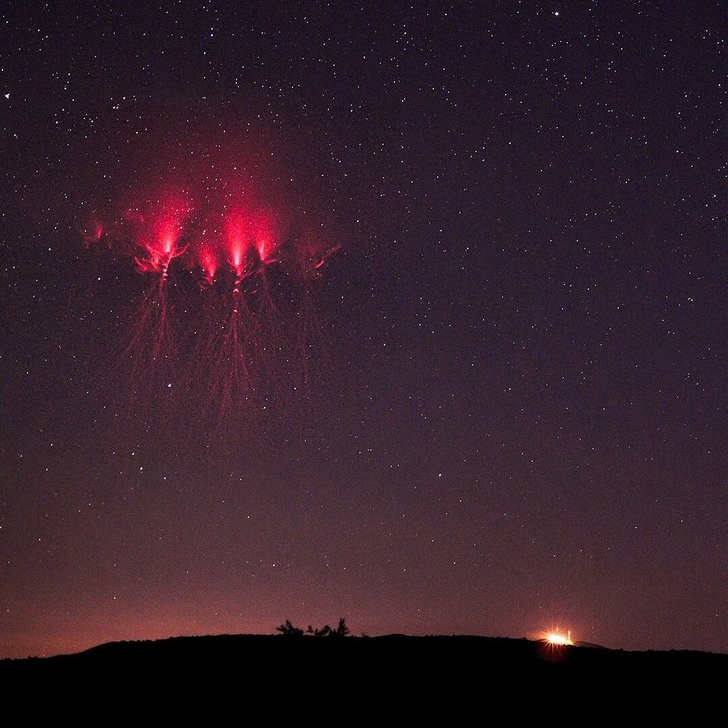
(289,630)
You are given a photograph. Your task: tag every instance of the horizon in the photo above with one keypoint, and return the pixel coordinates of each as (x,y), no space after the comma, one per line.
(546,638)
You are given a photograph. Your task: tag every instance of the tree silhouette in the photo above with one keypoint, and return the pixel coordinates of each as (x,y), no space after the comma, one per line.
(326,631)
(342,630)
(289,630)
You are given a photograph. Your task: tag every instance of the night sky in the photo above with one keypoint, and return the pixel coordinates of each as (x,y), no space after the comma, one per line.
(408,313)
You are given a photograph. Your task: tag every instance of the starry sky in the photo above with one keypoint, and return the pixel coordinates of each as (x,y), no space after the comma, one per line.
(409,313)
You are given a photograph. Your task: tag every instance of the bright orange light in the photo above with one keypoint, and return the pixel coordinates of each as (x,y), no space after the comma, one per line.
(556,638)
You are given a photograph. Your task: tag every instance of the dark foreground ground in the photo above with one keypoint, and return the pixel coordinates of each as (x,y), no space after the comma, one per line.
(455,679)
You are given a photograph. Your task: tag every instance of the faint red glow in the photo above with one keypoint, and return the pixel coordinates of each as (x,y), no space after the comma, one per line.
(245,239)
(237,241)
(93,231)
(209,263)
(265,237)
(251,343)
(160,237)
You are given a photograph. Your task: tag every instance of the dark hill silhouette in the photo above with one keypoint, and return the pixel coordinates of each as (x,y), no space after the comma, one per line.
(369,674)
